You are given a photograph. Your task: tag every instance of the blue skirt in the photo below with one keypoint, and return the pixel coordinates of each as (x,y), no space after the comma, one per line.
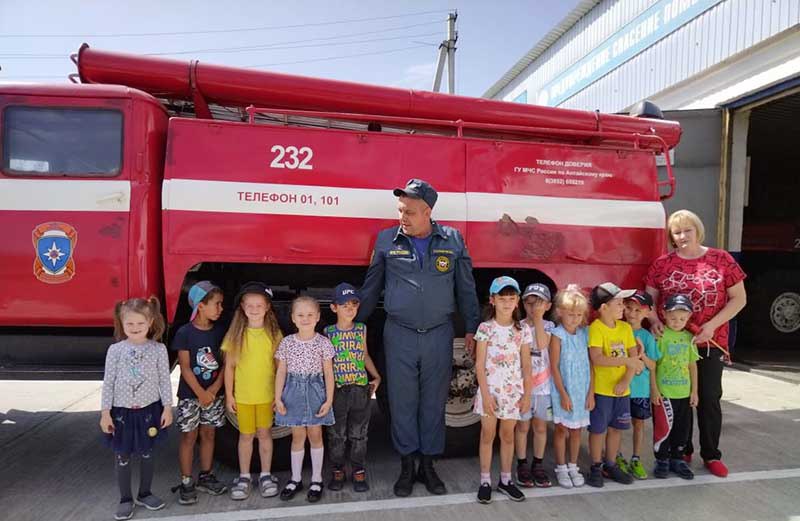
(132,434)
(303,395)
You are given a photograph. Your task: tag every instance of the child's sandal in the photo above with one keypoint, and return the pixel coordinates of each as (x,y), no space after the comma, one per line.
(314,491)
(291,488)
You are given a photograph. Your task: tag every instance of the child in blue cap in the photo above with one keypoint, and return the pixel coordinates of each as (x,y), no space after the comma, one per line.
(356,380)
(503,367)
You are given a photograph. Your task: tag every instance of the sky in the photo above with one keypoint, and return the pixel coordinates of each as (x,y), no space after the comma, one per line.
(378,42)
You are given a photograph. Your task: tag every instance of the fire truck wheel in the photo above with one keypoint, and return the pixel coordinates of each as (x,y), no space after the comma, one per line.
(226,444)
(771,319)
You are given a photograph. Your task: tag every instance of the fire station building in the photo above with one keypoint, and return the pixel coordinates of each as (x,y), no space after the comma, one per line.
(729,71)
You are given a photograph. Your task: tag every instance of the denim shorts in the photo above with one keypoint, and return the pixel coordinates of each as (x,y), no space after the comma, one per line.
(610,411)
(541,408)
(303,395)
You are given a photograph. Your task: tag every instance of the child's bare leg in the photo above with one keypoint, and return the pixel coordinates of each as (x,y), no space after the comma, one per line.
(186,451)
(559,443)
(488,429)
(317,452)
(539,437)
(207,435)
(596,442)
(638,436)
(506,445)
(613,440)
(265,449)
(521,438)
(298,439)
(245,452)
(574,445)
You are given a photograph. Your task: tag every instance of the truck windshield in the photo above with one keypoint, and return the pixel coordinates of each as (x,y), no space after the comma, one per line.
(50,141)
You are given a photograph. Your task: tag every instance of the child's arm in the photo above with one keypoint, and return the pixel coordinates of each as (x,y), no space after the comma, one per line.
(655,394)
(327,369)
(625,382)
(590,394)
(230,401)
(693,398)
(375,382)
(280,381)
(555,371)
(527,377)
(480,370)
(107,394)
(541,339)
(599,359)
(203,396)
(164,385)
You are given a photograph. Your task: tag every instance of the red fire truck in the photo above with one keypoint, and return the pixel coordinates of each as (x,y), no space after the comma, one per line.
(152,174)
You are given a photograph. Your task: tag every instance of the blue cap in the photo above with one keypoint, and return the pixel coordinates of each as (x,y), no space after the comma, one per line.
(197,293)
(345,292)
(418,189)
(676,302)
(537,289)
(502,282)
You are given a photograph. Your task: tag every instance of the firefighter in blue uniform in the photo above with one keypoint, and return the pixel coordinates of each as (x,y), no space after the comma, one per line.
(424,270)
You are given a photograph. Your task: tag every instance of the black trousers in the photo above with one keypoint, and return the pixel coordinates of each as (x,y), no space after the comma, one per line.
(709,410)
(351,409)
(673,447)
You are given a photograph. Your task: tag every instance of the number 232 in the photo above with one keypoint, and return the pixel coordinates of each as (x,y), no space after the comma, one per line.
(292,158)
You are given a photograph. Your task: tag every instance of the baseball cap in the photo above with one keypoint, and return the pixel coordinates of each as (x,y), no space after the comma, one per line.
(676,302)
(253,287)
(418,189)
(642,297)
(537,289)
(197,293)
(607,291)
(502,282)
(345,292)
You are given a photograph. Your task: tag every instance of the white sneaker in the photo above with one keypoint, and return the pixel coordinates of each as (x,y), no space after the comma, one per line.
(575,476)
(563,477)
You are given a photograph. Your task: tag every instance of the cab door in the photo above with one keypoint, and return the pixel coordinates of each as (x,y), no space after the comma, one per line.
(64,209)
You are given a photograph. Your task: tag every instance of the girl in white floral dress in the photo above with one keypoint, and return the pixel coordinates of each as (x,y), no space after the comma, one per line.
(503,356)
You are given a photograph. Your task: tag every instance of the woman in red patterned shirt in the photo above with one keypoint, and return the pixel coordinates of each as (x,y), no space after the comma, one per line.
(714,282)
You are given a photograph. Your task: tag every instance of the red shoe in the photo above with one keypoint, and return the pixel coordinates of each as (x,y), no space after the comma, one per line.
(687,458)
(717,468)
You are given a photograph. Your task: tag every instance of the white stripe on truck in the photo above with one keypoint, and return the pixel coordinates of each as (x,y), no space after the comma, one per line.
(330,201)
(65,195)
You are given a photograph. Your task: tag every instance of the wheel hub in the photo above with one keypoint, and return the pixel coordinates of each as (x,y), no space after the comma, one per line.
(785,312)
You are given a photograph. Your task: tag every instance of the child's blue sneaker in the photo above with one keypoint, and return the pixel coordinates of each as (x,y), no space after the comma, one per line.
(661,469)
(681,468)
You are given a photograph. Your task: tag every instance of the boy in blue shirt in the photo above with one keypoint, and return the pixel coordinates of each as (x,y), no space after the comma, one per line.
(637,307)
(352,367)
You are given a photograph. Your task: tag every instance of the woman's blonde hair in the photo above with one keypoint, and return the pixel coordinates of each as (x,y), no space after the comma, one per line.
(572,298)
(234,338)
(683,218)
(150,308)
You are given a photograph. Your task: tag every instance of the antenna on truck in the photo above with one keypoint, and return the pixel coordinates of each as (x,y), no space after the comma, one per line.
(447,49)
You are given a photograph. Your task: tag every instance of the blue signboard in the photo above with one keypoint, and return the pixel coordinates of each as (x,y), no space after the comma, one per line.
(656,22)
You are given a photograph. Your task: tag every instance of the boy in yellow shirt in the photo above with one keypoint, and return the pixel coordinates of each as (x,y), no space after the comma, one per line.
(610,339)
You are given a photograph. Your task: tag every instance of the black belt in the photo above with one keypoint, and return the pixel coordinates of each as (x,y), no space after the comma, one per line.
(420,330)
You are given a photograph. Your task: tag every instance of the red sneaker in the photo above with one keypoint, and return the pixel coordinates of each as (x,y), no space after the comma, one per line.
(687,458)
(717,468)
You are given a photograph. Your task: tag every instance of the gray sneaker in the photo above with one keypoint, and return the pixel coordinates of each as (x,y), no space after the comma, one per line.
(150,502)
(208,483)
(240,489)
(124,510)
(268,486)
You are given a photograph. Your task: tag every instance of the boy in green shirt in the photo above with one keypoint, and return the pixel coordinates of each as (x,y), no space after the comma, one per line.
(676,379)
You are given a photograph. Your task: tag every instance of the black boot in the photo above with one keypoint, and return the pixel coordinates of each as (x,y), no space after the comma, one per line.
(405,483)
(428,477)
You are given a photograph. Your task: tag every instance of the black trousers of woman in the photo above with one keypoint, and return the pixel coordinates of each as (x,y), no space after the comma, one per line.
(709,410)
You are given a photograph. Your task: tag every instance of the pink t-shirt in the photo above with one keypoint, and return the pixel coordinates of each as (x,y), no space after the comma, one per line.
(305,356)
(705,280)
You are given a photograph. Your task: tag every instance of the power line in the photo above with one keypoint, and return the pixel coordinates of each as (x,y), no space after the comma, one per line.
(36,56)
(218,31)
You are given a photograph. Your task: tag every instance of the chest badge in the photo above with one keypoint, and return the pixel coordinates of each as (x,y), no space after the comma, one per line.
(54,244)
(442,263)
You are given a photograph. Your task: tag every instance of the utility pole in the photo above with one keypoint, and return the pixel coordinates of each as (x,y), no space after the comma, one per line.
(447,50)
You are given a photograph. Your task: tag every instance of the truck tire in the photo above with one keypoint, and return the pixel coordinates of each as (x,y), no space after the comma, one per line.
(771,319)
(226,443)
